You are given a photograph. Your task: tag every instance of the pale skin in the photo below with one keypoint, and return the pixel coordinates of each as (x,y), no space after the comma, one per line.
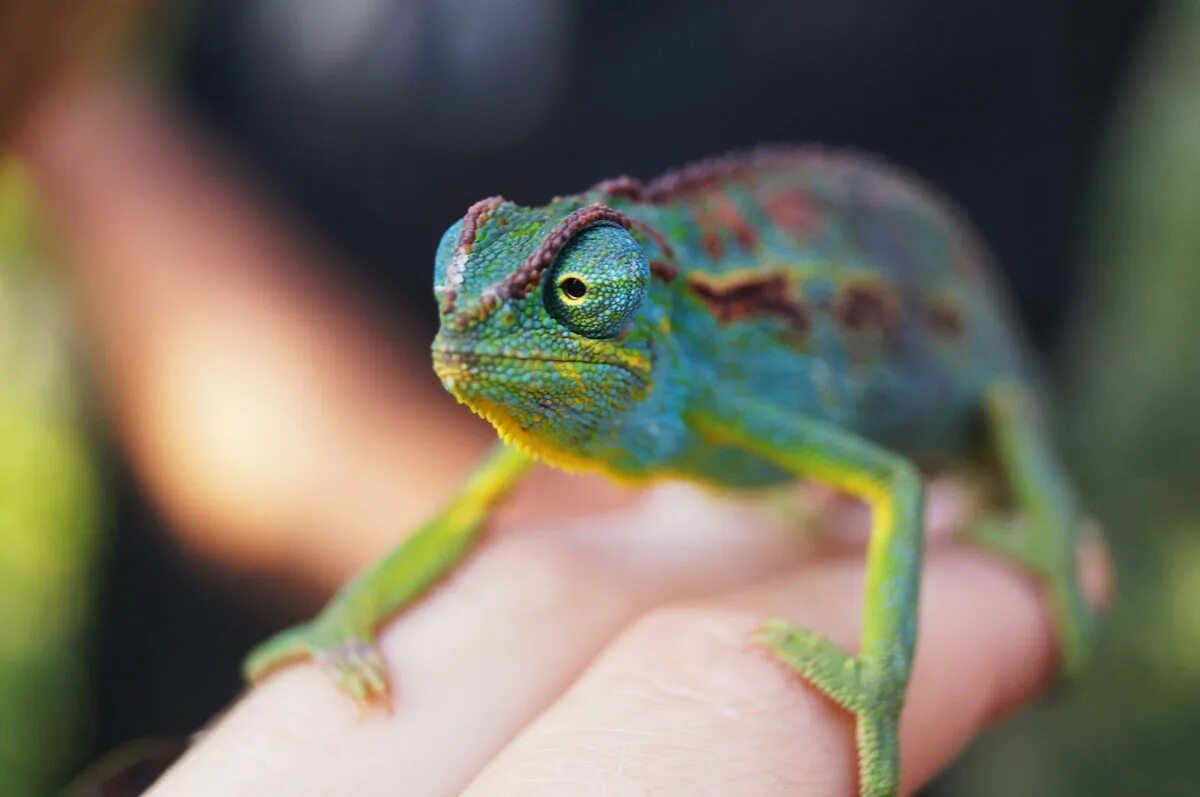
(610,656)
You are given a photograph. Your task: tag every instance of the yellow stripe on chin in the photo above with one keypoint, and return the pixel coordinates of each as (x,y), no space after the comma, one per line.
(511,433)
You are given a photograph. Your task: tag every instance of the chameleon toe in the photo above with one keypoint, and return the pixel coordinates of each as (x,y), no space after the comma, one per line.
(875,702)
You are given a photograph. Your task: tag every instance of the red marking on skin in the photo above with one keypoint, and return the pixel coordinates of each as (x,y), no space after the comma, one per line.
(792,211)
(623,185)
(526,277)
(743,167)
(663,270)
(865,306)
(944,319)
(729,215)
(706,173)
(751,296)
(476,214)
(710,236)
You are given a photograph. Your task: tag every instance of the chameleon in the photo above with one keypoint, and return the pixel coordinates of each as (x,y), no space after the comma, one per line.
(748,320)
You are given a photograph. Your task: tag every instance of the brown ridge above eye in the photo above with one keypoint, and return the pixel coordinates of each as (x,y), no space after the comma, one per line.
(573,287)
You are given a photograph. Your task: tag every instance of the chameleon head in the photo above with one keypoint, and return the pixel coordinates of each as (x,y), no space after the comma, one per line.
(545,330)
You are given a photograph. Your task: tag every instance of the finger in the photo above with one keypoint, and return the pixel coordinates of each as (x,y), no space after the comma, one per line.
(680,704)
(488,650)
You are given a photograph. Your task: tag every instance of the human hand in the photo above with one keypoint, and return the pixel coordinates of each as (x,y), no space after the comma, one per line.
(610,656)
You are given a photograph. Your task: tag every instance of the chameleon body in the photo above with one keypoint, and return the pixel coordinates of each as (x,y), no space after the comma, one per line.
(741,322)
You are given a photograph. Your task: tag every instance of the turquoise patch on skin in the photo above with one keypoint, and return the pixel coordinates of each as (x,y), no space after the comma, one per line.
(818,291)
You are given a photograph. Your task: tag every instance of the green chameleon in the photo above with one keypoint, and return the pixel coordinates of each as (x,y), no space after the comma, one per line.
(741,322)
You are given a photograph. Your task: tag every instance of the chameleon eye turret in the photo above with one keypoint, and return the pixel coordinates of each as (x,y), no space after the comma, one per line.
(598,282)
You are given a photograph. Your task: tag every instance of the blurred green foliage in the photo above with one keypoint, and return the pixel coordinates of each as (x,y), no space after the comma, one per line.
(48,513)
(1131,379)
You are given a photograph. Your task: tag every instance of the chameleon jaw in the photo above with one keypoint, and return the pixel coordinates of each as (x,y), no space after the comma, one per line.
(554,421)
(467,365)
(513,433)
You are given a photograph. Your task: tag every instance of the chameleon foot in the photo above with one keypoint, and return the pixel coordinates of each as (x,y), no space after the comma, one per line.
(351,660)
(1043,552)
(1044,540)
(341,639)
(357,668)
(844,680)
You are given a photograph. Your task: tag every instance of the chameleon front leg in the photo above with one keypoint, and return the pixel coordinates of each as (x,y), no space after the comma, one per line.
(1044,540)
(872,684)
(341,639)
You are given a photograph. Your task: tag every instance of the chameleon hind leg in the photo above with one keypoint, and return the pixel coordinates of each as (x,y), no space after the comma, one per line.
(871,685)
(341,639)
(1045,538)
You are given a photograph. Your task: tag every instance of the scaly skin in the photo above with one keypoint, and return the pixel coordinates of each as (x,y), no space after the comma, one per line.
(744,321)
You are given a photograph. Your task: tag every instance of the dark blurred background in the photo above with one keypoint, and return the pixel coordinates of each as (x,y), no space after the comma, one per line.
(375,123)
(378,122)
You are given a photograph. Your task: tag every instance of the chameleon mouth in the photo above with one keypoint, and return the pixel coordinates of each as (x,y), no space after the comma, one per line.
(456,365)
(495,385)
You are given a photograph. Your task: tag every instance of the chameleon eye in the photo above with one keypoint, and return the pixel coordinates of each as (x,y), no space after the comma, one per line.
(598,281)
(573,288)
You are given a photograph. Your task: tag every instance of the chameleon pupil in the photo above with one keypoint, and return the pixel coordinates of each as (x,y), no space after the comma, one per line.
(574,288)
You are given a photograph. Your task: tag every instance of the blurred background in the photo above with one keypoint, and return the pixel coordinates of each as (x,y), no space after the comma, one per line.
(217,222)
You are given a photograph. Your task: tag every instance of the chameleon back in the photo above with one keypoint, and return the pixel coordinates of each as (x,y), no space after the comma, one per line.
(835,286)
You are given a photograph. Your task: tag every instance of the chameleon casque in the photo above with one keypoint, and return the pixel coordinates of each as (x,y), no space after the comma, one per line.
(741,322)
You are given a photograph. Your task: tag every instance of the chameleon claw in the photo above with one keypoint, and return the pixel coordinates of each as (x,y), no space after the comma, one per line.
(353,663)
(358,669)
(832,671)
